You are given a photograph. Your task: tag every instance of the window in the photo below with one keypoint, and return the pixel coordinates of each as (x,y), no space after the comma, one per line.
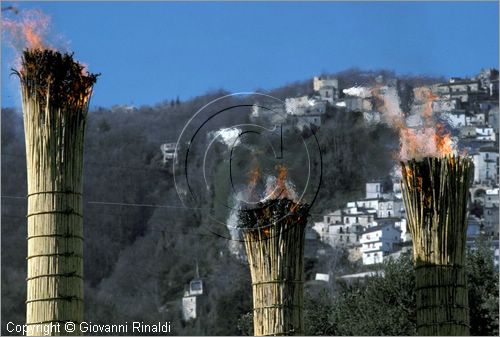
(341,238)
(389,213)
(346,220)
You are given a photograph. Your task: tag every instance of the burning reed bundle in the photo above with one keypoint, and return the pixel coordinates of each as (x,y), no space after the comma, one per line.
(55,94)
(274,236)
(435,193)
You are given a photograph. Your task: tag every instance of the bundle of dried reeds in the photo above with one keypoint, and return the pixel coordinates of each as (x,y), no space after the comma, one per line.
(55,95)
(435,192)
(274,236)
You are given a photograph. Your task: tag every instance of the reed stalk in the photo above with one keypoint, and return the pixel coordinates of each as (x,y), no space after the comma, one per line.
(274,241)
(55,94)
(435,192)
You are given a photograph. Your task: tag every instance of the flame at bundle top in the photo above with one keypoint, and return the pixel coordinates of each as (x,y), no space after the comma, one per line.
(431,139)
(417,144)
(277,207)
(55,79)
(273,212)
(417,173)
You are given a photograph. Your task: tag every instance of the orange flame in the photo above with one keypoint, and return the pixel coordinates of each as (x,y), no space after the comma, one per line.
(29,32)
(253,177)
(431,140)
(281,181)
(444,144)
(279,189)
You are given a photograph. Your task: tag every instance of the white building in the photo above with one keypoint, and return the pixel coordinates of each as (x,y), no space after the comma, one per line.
(327,87)
(378,241)
(390,208)
(445,105)
(338,229)
(305,106)
(485,134)
(324,81)
(458,89)
(374,190)
(476,119)
(169,152)
(491,198)
(486,166)
(188,307)
(344,227)
(456,118)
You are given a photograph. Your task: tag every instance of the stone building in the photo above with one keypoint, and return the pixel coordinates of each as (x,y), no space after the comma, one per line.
(327,87)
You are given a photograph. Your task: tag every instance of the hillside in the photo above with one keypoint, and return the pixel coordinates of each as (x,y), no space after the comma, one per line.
(141,245)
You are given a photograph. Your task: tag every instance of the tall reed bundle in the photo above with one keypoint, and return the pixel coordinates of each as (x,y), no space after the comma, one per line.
(55,95)
(435,192)
(274,241)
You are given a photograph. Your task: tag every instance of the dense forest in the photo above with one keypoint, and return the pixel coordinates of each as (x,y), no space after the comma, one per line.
(142,246)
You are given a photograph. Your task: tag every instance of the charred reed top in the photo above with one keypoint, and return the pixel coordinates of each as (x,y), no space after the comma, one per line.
(55,79)
(271,212)
(426,174)
(435,192)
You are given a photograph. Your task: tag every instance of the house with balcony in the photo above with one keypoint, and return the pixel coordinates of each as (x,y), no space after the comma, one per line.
(342,227)
(486,166)
(378,242)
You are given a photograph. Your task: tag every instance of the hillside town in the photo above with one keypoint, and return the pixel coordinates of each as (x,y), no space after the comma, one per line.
(373,228)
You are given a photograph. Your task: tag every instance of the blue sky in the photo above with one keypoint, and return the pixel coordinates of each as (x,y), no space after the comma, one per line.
(150,52)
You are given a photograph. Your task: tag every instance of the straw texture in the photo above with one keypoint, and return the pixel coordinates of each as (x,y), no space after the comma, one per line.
(435,192)
(55,95)
(275,251)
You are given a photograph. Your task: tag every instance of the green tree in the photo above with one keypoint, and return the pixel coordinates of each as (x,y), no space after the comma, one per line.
(378,305)
(482,281)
